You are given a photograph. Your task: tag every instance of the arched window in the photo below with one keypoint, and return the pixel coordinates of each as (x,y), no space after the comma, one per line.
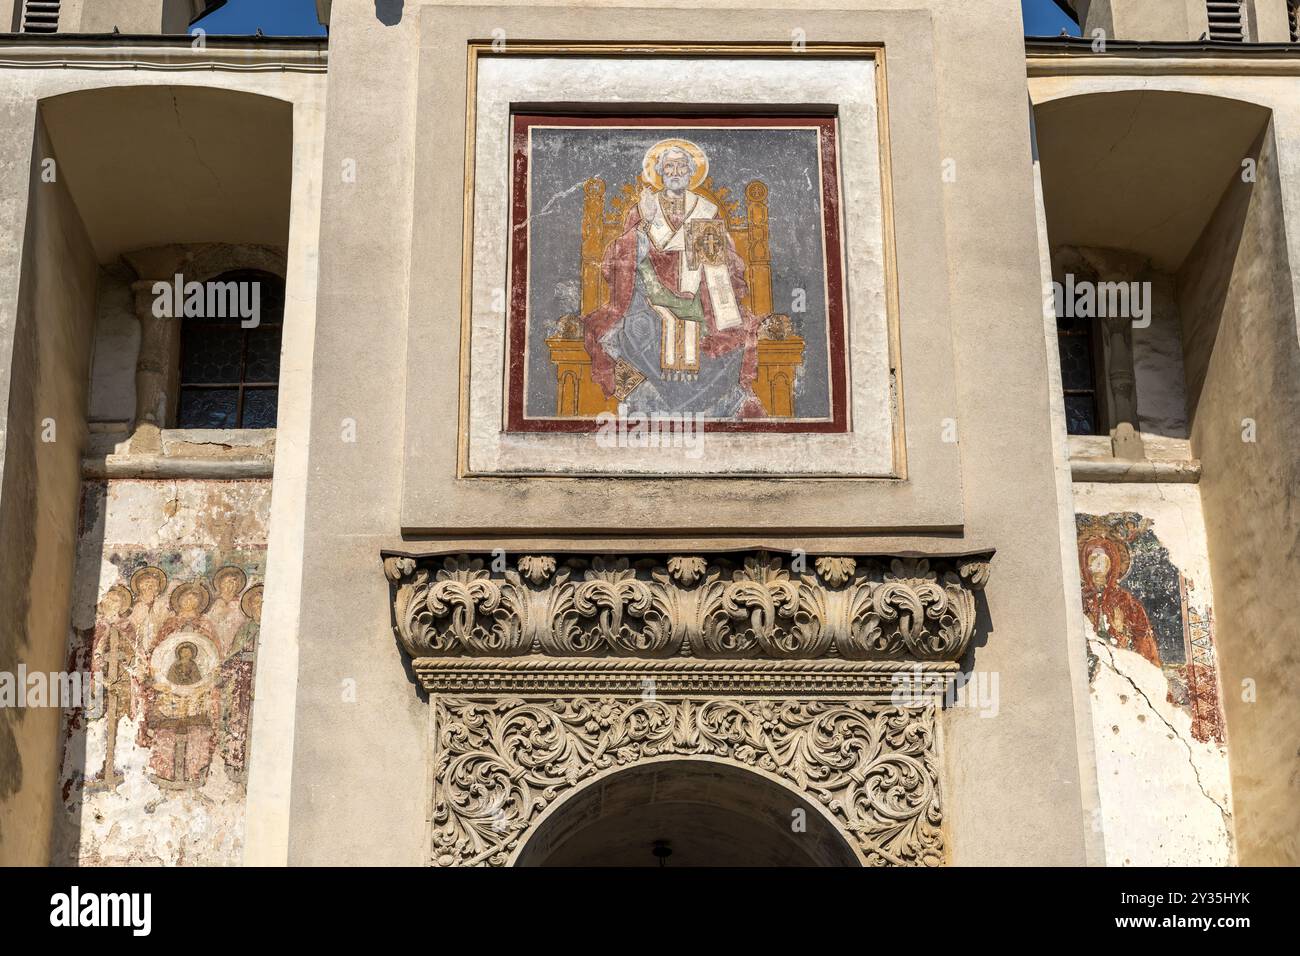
(230,374)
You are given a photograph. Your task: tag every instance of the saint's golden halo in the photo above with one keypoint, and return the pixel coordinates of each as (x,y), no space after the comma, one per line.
(654,152)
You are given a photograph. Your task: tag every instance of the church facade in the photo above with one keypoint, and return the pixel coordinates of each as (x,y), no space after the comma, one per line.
(627,434)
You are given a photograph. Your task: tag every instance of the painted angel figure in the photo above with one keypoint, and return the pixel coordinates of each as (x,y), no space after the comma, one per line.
(675,337)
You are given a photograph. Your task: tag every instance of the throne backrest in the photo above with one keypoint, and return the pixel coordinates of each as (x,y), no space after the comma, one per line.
(602,223)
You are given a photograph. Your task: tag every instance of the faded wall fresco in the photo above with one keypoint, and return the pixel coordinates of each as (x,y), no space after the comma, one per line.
(1136,599)
(167,616)
(1154,684)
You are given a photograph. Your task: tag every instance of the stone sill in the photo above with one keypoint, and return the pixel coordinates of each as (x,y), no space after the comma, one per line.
(185,453)
(1169,460)
(1144,471)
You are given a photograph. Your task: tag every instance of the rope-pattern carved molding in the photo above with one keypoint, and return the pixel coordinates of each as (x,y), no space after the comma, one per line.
(751,605)
(900,681)
(500,764)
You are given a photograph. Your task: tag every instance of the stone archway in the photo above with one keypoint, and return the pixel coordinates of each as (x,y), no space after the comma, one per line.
(546,676)
(686,812)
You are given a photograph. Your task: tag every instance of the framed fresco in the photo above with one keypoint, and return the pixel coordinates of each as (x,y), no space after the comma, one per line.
(676,267)
(697,243)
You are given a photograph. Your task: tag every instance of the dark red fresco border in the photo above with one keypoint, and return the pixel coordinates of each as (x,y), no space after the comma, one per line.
(517,338)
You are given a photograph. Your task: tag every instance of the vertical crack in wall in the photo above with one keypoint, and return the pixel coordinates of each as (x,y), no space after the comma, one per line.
(1191,757)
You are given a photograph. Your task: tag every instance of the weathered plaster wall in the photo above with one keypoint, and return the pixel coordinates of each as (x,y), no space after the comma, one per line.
(43,438)
(1239,310)
(167,616)
(1162,756)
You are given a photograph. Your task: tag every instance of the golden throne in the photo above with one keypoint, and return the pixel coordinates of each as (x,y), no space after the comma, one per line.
(780,353)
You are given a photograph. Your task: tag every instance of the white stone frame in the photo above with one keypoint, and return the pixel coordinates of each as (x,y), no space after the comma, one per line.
(847,84)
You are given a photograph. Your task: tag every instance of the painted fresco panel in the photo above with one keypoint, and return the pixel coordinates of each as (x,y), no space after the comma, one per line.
(166,622)
(1154,689)
(655,262)
(1136,599)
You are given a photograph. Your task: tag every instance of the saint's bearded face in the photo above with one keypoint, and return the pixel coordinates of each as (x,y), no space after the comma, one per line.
(675,168)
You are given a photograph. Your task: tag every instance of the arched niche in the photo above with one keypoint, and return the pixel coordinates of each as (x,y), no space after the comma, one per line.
(701,811)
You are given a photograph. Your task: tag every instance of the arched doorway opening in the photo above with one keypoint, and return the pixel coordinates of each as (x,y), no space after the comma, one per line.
(686,812)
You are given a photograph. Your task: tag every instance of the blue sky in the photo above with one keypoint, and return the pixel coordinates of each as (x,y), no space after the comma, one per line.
(1043,18)
(298,18)
(286,18)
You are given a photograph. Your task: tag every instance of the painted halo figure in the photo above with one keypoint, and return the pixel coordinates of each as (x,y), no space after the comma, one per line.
(183,705)
(237,683)
(114,664)
(149,610)
(1116,615)
(674,338)
(225,615)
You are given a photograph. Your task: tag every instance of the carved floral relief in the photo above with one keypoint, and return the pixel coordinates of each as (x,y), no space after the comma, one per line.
(748,606)
(500,764)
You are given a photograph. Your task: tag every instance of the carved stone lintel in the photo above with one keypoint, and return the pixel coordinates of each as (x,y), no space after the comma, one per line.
(499,764)
(746,606)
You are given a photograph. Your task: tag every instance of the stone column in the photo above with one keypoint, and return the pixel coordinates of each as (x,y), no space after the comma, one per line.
(1117,381)
(1121,384)
(157,370)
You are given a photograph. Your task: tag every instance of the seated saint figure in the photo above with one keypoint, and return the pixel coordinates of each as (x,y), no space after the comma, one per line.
(674,338)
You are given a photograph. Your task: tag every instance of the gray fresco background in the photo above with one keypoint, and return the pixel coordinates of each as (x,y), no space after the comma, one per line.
(563,158)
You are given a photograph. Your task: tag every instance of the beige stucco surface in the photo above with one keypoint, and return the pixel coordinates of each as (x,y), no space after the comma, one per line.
(45,428)
(242,146)
(127,16)
(1249,401)
(1143,19)
(360,716)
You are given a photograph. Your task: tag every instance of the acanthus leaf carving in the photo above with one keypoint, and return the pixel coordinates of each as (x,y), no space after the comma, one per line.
(501,763)
(747,606)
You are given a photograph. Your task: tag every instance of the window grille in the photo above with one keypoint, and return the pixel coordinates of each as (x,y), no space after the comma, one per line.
(229,374)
